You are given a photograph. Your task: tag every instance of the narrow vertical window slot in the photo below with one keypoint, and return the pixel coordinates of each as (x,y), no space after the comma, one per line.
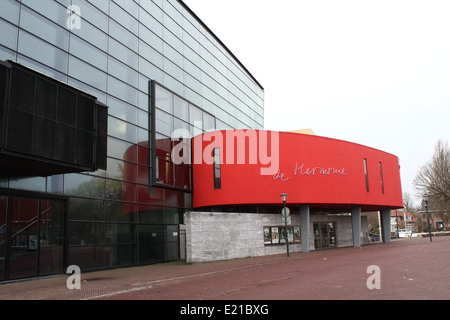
(366,174)
(216,165)
(381,177)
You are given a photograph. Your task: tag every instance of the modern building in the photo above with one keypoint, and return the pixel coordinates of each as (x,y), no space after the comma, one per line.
(103,106)
(78,191)
(240,175)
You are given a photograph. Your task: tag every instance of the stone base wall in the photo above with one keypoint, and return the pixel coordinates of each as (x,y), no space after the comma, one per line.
(212,236)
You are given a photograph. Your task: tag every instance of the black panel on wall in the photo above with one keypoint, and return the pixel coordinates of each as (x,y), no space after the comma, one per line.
(46,97)
(49,121)
(102,129)
(3,82)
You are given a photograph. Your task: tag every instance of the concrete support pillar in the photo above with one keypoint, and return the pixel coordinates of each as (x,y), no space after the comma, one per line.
(304,226)
(356,226)
(385,216)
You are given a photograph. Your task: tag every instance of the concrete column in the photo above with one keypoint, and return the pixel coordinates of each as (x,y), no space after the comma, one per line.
(304,226)
(386,225)
(356,226)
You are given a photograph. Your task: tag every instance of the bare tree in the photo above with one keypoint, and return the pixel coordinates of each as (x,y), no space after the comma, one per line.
(434,179)
(408,203)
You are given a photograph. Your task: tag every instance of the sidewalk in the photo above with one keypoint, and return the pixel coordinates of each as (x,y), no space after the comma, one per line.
(412,268)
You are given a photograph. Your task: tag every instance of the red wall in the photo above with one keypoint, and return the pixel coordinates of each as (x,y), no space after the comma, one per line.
(243,183)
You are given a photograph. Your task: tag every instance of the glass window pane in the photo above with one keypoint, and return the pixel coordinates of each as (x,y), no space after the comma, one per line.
(195,116)
(87,52)
(10,11)
(116,168)
(122,150)
(55,184)
(93,35)
(143,119)
(9,35)
(41,51)
(87,73)
(86,233)
(121,129)
(32,183)
(122,90)
(121,110)
(150,214)
(85,209)
(208,122)
(163,146)
(122,35)
(84,185)
(182,176)
(119,211)
(23,248)
(126,20)
(43,28)
(164,172)
(92,14)
(178,124)
(122,72)
(164,123)
(123,53)
(164,100)
(50,9)
(51,236)
(181,109)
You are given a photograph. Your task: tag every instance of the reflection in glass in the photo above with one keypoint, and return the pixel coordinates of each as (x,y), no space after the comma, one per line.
(28,183)
(164,123)
(51,232)
(84,185)
(41,51)
(195,116)
(208,122)
(24,238)
(85,209)
(181,109)
(164,100)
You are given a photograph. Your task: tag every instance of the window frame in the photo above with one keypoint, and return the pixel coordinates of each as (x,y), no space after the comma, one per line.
(153,173)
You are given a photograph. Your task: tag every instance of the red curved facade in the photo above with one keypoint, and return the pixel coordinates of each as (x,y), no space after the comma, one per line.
(322,172)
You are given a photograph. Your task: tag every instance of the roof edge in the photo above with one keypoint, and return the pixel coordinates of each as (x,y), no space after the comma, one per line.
(192,13)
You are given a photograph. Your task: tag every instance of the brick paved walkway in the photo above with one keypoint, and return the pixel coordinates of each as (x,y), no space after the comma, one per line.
(409,269)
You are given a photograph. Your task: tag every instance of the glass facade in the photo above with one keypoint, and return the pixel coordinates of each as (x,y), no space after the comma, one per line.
(115,50)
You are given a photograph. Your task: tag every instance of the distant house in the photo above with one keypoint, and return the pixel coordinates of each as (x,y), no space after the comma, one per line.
(402,222)
(438,216)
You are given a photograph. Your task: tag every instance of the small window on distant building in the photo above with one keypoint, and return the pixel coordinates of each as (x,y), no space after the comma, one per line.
(381,177)
(366,174)
(216,165)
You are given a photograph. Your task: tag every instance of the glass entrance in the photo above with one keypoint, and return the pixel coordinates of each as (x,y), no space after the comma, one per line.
(324,235)
(23,238)
(31,236)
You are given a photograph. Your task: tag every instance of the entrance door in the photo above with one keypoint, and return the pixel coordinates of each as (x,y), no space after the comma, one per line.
(324,235)
(31,236)
(23,238)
